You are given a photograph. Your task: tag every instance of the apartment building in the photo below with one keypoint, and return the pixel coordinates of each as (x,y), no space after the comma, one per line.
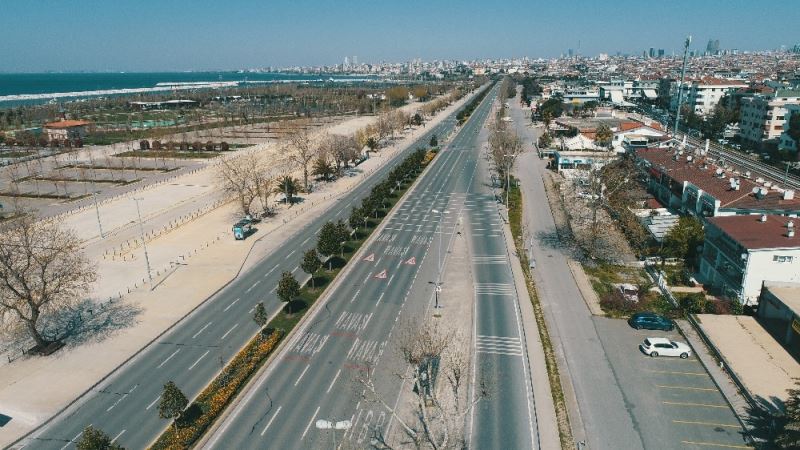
(703,94)
(763,116)
(741,253)
(786,143)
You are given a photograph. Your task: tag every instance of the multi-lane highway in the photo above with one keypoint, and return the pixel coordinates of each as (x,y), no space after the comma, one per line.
(312,379)
(192,353)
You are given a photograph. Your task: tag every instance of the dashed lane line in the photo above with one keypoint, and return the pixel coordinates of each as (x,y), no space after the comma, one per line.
(271,419)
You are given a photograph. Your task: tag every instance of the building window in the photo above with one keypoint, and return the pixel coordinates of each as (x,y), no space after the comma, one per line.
(782,259)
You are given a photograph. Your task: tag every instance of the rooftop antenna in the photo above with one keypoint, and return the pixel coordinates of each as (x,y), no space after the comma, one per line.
(680,86)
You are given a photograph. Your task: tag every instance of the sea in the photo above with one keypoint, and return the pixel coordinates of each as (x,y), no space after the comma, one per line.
(31,88)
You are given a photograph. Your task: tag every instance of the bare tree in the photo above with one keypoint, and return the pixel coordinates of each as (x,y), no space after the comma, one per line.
(237,176)
(301,151)
(504,145)
(439,361)
(383,127)
(42,270)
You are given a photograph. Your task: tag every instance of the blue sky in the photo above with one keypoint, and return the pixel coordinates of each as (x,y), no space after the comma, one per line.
(150,35)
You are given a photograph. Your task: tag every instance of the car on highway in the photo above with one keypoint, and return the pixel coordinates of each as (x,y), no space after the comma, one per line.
(650,321)
(658,346)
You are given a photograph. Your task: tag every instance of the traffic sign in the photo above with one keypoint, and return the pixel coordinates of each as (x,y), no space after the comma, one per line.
(411,261)
(371,257)
(381,275)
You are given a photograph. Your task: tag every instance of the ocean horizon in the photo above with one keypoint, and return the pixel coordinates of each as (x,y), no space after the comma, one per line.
(29,88)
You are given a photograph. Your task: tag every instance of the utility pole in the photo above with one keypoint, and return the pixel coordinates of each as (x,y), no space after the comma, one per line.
(680,86)
(144,244)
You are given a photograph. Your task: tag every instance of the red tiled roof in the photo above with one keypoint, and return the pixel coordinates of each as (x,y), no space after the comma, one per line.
(66,124)
(753,234)
(625,126)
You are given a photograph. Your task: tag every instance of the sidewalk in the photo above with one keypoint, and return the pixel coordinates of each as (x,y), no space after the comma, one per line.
(726,386)
(144,314)
(542,397)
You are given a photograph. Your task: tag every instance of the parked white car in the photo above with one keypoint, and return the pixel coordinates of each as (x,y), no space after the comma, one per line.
(659,346)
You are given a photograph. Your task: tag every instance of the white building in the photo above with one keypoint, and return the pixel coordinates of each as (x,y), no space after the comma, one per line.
(786,142)
(740,253)
(763,116)
(704,94)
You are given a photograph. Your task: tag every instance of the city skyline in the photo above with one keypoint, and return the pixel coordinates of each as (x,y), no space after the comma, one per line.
(154,37)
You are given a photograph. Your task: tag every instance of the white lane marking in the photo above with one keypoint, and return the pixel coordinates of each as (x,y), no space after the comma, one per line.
(117,436)
(168,358)
(295,269)
(304,242)
(228,332)
(379,298)
(334,381)
(153,403)
(356,295)
(198,359)
(301,375)
(271,419)
(201,330)
(229,306)
(71,441)
(253,286)
(291,253)
(251,310)
(309,424)
(270,271)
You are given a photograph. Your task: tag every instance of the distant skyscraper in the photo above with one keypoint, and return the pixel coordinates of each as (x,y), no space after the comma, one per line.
(661,53)
(355,60)
(652,52)
(346,62)
(712,48)
(570,53)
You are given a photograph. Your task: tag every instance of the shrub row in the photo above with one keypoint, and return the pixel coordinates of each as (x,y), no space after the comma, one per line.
(464,114)
(216,396)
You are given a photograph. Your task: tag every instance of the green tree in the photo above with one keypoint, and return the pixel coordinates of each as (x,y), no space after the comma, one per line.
(311,263)
(328,242)
(794,129)
(433,142)
(95,439)
(342,233)
(789,434)
(288,288)
(260,316)
(694,303)
(545,140)
(287,186)
(172,403)
(683,239)
(323,168)
(356,217)
(603,136)
(372,143)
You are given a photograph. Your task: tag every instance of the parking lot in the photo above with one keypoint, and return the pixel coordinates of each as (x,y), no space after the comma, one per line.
(673,401)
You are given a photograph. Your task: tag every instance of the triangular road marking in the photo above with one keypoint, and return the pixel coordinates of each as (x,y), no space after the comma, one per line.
(411,261)
(381,275)
(371,257)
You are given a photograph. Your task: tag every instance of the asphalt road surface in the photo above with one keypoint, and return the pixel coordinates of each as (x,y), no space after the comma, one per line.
(193,352)
(314,378)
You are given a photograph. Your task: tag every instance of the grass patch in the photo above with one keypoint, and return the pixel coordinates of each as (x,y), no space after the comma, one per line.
(556,390)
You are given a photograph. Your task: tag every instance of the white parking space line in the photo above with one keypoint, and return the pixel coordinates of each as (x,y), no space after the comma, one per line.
(153,403)
(228,332)
(198,359)
(168,358)
(301,375)
(229,306)
(201,330)
(309,424)
(334,381)
(271,419)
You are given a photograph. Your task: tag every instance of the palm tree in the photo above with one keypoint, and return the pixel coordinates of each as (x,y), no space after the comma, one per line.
(287,186)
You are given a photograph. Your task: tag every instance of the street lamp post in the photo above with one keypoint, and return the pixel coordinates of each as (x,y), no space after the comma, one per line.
(144,244)
(323,424)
